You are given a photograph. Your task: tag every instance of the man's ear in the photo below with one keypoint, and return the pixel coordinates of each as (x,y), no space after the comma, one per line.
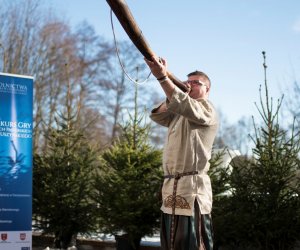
(207,89)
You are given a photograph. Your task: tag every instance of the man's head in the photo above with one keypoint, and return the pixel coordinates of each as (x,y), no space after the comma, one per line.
(199,83)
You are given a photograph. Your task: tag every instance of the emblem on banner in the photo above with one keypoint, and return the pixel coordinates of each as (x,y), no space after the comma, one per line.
(3,237)
(22,236)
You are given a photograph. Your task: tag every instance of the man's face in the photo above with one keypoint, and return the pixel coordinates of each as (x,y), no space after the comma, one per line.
(199,87)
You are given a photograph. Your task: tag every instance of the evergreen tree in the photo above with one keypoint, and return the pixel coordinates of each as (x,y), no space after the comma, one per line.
(63,182)
(274,193)
(129,182)
(263,211)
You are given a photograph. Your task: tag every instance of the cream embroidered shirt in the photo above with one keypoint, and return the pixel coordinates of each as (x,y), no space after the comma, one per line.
(192,126)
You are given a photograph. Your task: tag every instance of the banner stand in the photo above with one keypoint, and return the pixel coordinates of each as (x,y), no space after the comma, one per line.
(16,124)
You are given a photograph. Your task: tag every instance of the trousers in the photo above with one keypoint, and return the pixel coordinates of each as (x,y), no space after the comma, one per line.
(190,232)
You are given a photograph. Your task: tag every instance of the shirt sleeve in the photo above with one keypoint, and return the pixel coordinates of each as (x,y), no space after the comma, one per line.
(199,111)
(162,118)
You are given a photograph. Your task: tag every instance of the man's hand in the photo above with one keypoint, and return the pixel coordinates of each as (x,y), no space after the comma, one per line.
(158,66)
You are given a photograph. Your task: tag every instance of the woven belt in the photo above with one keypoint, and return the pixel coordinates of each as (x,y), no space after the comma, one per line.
(176,177)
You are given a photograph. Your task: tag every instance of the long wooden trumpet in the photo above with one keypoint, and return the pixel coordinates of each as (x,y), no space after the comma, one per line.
(126,19)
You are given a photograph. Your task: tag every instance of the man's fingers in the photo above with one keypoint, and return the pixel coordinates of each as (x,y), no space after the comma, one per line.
(155,60)
(149,63)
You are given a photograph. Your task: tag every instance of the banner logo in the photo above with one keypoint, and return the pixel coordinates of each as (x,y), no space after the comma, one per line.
(3,237)
(22,236)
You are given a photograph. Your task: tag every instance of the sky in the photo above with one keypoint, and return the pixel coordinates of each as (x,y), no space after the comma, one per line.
(225,39)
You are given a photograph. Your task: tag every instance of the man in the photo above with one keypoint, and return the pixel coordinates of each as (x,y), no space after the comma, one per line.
(186,193)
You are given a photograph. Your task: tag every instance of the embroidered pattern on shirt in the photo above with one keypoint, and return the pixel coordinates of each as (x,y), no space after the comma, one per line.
(180,202)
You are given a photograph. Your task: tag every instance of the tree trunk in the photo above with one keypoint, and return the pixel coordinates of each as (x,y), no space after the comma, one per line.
(64,240)
(124,242)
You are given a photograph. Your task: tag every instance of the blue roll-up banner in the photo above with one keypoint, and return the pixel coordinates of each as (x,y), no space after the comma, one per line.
(16,105)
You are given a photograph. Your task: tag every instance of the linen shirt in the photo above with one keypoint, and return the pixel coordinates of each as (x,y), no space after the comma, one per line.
(192,126)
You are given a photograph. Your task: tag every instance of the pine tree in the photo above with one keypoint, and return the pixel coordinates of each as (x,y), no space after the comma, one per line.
(63,182)
(263,211)
(129,183)
(274,195)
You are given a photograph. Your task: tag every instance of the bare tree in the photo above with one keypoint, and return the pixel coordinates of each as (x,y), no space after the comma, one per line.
(118,91)
(234,136)
(34,41)
(18,36)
